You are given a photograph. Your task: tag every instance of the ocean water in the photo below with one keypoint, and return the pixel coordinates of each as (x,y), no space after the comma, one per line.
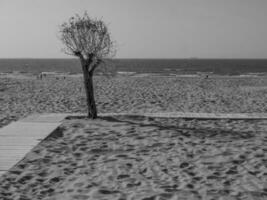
(163,66)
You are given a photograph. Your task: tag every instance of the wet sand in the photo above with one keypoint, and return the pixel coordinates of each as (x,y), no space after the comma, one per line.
(144,158)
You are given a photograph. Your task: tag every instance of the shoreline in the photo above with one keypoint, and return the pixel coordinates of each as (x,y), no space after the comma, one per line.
(131,74)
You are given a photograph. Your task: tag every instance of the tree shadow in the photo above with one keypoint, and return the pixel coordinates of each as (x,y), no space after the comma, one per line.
(200,132)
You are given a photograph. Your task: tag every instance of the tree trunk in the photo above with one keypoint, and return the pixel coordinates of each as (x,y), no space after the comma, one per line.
(90,100)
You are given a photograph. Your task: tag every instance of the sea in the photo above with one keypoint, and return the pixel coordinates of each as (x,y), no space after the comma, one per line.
(161,66)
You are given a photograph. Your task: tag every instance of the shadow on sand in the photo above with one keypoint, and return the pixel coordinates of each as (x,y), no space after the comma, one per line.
(190,130)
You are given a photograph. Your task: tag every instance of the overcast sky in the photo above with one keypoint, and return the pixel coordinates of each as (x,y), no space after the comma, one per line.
(142,28)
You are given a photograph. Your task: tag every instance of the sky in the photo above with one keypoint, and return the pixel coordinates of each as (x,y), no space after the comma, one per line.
(141,28)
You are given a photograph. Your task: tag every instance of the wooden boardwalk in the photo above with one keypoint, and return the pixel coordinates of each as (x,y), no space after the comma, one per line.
(188,115)
(51,117)
(18,138)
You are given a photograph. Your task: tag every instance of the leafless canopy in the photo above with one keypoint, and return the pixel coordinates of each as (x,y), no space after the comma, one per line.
(88,39)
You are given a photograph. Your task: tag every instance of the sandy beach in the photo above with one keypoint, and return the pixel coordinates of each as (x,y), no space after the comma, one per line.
(137,157)
(144,158)
(24,95)
(133,100)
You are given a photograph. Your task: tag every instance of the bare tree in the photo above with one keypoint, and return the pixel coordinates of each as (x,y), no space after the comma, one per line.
(90,41)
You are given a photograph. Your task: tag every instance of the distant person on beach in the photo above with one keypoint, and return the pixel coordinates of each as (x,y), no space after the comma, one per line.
(40,76)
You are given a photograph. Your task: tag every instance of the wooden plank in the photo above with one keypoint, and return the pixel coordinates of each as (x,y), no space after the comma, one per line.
(12,153)
(18,141)
(47,117)
(189,115)
(28,129)
(6,147)
(7,164)
(18,138)
(2,172)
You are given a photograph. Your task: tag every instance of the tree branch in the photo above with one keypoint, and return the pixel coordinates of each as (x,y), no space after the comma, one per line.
(95,65)
(87,39)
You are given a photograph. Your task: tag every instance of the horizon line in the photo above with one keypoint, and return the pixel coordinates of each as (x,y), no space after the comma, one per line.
(148,58)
